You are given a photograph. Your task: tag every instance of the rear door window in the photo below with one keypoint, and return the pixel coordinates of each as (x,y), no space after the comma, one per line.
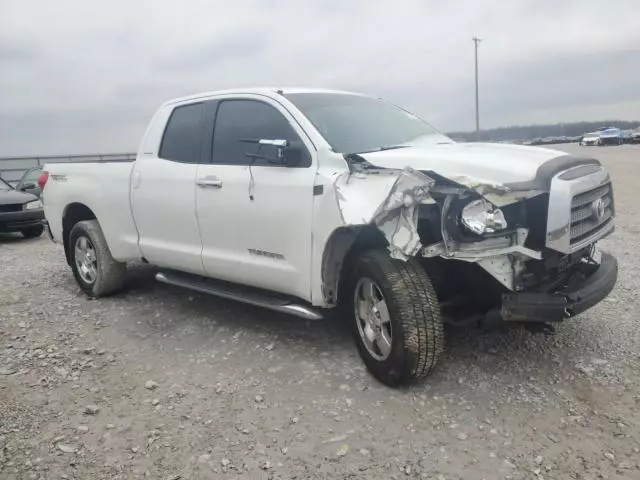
(181,139)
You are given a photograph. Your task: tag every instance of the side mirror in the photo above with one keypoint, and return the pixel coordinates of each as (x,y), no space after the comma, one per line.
(291,156)
(27,186)
(286,154)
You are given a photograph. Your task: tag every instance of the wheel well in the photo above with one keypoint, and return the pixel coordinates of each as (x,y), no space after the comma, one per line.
(343,246)
(73,213)
(346,243)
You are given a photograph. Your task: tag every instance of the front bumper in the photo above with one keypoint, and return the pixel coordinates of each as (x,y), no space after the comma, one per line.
(555,307)
(16,221)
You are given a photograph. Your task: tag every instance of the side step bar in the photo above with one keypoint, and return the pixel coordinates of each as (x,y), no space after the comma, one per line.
(240,293)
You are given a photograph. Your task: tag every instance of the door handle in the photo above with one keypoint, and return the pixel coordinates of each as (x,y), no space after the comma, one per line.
(209,182)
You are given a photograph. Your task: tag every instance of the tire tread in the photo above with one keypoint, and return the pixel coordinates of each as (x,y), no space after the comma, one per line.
(419,311)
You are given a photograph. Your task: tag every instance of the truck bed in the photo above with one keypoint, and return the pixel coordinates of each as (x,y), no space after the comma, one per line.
(104,187)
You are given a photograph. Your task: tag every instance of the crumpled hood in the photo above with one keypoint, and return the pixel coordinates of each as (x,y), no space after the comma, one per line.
(14,196)
(495,164)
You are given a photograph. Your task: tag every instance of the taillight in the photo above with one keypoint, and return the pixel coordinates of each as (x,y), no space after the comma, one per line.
(42,179)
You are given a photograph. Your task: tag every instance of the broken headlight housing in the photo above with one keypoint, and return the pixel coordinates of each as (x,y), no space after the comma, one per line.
(481,217)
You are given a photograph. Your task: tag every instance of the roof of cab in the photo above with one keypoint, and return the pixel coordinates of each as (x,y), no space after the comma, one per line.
(267,91)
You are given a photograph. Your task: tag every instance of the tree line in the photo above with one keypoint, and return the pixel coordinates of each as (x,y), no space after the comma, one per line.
(531,132)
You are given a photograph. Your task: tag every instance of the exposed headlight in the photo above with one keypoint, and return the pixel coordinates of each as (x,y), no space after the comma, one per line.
(32,205)
(482,217)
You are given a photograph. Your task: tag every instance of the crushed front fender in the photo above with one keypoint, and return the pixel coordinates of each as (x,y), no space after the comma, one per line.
(389,199)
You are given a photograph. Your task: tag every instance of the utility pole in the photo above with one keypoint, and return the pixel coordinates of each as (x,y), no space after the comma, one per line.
(477,40)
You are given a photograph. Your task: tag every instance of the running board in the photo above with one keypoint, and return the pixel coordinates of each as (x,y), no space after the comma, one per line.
(240,293)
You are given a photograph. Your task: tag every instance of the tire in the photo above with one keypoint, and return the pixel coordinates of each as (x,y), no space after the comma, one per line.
(32,232)
(414,324)
(102,275)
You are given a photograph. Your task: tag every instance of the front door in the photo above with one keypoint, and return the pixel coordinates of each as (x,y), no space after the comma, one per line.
(255,214)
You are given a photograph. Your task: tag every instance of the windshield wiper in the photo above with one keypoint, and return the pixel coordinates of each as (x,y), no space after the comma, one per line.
(391,147)
(383,148)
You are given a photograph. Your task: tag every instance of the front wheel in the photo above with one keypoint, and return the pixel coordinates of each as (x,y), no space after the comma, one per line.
(32,232)
(95,270)
(396,318)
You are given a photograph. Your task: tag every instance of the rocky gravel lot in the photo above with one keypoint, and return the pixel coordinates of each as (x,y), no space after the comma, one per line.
(162,383)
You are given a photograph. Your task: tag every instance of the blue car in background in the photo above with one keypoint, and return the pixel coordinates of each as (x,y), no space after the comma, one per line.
(611,136)
(604,136)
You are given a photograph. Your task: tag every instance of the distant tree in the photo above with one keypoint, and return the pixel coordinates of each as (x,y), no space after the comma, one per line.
(531,132)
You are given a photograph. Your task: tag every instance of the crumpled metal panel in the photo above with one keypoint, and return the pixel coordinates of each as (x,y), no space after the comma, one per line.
(389,200)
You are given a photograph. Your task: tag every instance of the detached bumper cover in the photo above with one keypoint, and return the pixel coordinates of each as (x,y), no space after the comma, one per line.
(547,307)
(16,221)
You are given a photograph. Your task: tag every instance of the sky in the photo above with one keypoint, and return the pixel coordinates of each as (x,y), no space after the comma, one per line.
(86,76)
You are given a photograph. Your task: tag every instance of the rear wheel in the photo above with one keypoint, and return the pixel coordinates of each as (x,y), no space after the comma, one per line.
(396,318)
(95,270)
(32,232)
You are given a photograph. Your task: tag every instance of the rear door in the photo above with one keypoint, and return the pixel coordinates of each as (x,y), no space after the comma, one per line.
(255,215)
(163,192)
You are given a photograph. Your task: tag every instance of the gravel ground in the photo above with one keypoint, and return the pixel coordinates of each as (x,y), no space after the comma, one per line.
(158,382)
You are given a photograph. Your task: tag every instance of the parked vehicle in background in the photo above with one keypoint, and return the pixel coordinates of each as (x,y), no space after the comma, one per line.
(611,136)
(634,136)
(591,139)
(29,181)
(20,212)
(306,200)
(549,140)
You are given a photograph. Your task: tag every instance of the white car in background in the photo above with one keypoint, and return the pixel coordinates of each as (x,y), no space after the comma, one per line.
(591,139)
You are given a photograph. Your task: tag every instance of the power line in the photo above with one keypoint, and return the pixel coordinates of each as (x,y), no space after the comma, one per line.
(476,41)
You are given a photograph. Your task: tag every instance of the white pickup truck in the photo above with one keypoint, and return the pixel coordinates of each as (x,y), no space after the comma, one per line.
(307,200)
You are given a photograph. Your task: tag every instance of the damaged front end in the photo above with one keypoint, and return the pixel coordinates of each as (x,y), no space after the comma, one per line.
(423,214)
(466,232)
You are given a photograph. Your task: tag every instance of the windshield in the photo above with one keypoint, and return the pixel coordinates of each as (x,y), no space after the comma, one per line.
(31,176)
(357,124)
(4,186)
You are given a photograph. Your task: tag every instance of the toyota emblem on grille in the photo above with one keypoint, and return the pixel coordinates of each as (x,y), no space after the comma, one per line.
(597,209)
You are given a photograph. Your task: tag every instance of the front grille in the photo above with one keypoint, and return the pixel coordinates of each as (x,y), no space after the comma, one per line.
(536,211)
(16,207)
(591,212)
